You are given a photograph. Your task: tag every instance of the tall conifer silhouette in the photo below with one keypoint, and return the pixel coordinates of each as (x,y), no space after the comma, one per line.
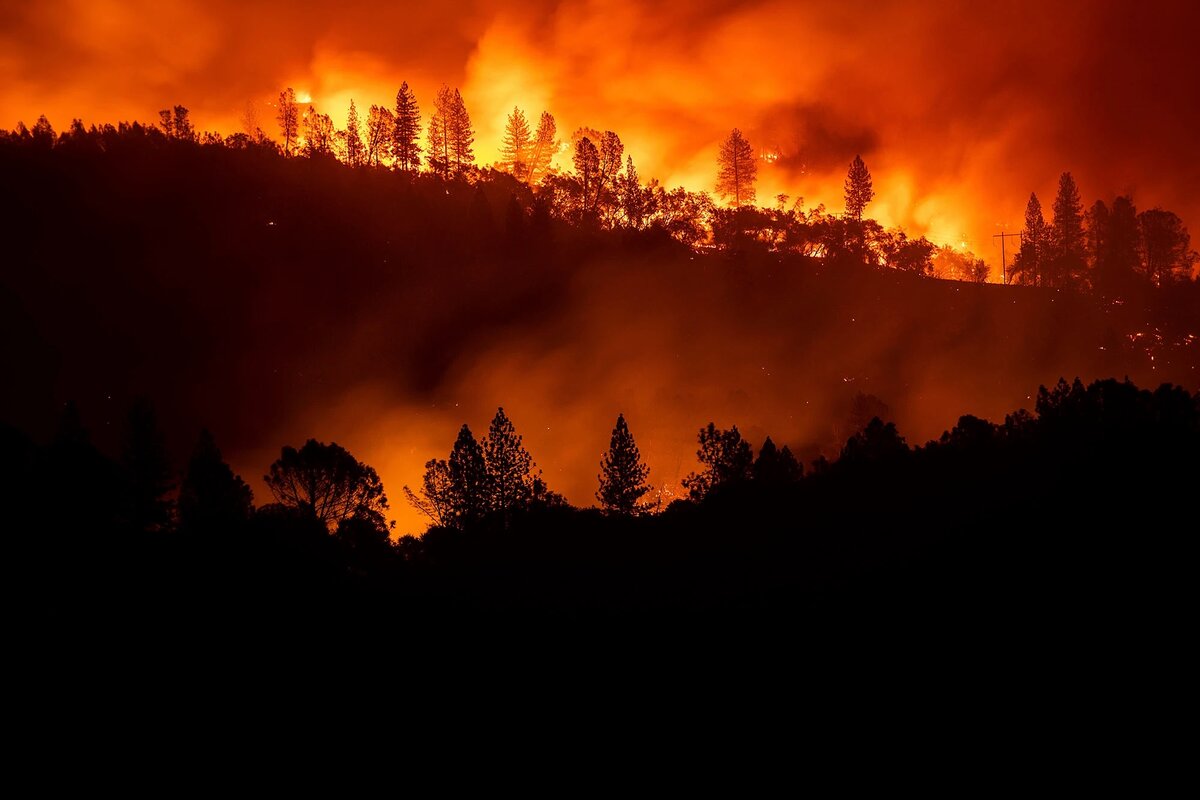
(736,169)
(622,474)
(406,147)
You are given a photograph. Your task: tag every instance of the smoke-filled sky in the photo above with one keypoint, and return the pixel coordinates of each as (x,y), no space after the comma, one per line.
(960,109)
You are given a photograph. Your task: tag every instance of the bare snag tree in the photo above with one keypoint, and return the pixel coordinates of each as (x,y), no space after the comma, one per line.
(289,119)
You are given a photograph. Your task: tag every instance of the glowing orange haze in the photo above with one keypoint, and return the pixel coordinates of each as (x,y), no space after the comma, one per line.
(959,109)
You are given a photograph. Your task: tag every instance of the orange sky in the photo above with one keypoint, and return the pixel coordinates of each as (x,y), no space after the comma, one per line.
(960,109)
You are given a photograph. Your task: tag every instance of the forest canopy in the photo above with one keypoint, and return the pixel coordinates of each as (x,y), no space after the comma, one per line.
(1092,250)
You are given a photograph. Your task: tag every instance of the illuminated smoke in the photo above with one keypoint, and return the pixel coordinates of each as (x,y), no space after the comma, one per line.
(959,110)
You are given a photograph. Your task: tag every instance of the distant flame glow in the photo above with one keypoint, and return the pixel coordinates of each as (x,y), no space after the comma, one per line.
(956,129)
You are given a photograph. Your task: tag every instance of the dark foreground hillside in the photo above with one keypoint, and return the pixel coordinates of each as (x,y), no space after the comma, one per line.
(1073,525)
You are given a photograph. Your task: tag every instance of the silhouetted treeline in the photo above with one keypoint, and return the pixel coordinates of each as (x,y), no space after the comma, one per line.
(1079,510)
(238,287)
(1116,253)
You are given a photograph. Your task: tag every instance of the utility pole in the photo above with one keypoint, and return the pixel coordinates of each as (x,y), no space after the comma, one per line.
(1003,266)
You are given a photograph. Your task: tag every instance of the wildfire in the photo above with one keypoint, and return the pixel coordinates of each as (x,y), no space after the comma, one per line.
(1157,347)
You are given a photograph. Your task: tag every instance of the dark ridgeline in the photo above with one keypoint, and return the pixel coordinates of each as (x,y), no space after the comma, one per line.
(1074,250)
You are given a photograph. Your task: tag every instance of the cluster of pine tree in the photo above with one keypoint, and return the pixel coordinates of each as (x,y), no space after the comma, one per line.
(478,480)
(1111,250)
(1108,248)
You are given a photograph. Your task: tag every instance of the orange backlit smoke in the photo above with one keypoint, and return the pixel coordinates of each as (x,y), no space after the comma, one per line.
(958,117)
(959,110)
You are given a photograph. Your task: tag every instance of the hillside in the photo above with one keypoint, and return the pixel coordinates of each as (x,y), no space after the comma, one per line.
(273,300)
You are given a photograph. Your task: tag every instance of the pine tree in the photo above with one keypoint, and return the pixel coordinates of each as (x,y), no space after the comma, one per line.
(1027,266)
(1112,245)
(212,499)
(630,195)
(250,121)
(508,464)
(878,442)
(318,133)
(726,457)
(183,125)
(775,466)
(587,165)
(859,191)
(1066,263)
(736,169)
(380,125)
(514,152)
(1096,223)
(544,148)
(622,474)
(354,146)
(289,119)
(461,136)
(406,147)
(1165,245)
(165,121)
(438,152)
(468,480)
(43,131)
(611,149)
(174,122)
(585,131)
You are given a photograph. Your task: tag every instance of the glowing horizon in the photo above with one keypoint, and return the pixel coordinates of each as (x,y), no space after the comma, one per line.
(957,121)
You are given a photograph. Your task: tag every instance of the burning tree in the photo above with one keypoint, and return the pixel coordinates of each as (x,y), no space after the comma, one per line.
(289,119)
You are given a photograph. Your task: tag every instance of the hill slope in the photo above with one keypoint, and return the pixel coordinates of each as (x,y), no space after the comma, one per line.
(274,300)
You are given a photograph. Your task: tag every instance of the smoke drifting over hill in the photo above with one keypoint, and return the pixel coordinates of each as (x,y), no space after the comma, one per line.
(275,299)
